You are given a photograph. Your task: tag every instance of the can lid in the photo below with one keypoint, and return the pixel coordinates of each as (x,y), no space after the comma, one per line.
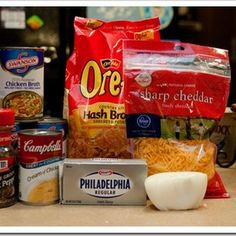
(7,116)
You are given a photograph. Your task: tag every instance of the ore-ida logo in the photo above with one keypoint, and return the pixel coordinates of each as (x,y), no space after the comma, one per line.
(105,184)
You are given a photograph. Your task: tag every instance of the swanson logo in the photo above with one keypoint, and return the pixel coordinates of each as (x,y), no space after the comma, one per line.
(22,62)
(105,184)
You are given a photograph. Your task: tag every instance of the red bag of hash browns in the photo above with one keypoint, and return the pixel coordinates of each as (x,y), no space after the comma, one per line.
(93,101)
(175,93)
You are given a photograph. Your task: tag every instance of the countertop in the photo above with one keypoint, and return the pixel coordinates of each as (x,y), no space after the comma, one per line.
(213,212)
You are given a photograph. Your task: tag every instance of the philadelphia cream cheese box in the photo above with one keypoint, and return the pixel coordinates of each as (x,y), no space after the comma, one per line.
(103,181)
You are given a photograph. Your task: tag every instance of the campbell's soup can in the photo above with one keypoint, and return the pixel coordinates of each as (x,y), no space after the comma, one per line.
(56,124)
(40,154)
(224,136)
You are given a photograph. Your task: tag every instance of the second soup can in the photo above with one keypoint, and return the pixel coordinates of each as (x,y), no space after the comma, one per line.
(40,154)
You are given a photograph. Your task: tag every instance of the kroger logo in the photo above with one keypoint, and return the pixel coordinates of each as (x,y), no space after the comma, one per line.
(143,121)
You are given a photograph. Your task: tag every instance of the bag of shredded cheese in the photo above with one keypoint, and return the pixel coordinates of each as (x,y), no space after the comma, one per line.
(175,93)
(93,101)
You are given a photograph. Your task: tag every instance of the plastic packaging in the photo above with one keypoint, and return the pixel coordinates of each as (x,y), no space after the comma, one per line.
(93,101)
(175,93)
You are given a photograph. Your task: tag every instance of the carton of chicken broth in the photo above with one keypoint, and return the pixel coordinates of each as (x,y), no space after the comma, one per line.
(103,181)
(22,82)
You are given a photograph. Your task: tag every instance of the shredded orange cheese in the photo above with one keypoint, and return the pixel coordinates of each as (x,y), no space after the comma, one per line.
(163,155)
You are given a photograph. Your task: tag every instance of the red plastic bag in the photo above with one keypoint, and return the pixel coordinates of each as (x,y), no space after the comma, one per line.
(174,95)
(93,101)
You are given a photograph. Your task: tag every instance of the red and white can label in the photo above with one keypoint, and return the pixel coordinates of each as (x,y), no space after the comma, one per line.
(40,157)
(35,148)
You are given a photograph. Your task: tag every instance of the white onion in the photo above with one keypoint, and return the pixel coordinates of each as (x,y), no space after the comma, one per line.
(176,190)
